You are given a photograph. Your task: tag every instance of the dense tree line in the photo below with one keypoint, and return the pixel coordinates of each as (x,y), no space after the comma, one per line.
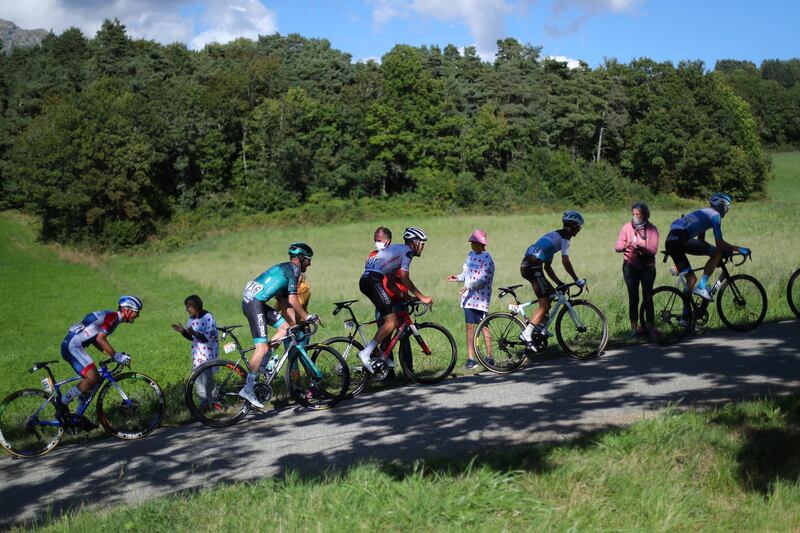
(107,137)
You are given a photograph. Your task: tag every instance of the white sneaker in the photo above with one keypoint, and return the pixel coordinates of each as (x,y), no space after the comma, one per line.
(703,293)
(527,339)
(366,361)
(251,397)
(390,363)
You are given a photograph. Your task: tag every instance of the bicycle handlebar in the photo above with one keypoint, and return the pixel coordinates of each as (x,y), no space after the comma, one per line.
(731,258)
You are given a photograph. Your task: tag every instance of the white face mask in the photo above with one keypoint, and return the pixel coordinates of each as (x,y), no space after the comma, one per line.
(637,221)
(379,245)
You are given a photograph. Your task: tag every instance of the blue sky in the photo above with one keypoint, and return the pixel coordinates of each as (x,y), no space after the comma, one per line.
(590,30)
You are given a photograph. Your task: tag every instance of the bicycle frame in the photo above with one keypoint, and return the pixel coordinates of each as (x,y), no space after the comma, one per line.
(562,299)
(406,323)
(682,285)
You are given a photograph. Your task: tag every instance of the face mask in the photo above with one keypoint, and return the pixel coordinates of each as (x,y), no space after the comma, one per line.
(380,245)
(637,221)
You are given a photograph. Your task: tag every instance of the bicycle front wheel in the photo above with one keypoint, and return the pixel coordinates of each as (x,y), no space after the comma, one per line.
(582,331)
(321,385)
(131,407)
(497,343)
(428,355)
(742,303)
(672,311)
(349,348)
(28,425)
(212,393)
(793,292)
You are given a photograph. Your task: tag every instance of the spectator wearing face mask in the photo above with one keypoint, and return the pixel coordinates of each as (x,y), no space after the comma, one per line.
(638,244)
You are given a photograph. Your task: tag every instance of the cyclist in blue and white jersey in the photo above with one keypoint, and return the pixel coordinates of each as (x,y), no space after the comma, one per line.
(687,236)
(539,259)
(94,330)
(279,281)
(392,263)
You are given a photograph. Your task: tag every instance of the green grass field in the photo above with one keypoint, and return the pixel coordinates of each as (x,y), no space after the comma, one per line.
(45,288)
(734,468)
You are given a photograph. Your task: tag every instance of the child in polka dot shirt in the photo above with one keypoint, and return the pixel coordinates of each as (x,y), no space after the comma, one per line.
(201,329)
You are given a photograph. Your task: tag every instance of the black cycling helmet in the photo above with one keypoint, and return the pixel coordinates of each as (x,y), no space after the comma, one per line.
(300,249)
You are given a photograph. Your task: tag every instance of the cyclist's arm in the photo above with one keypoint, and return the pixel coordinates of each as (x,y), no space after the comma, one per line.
(405,280)
(102,344)
(548,268)
(568,267)
(299,313)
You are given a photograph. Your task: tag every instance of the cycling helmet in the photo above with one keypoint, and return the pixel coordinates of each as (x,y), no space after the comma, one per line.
(720,199)
(643,209)
(572,217)
(300,249)
(130,302)
(414,234)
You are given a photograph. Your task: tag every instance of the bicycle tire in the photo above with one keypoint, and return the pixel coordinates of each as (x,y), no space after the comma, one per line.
(426,357)
(138,415)
(742,297)
(794,296)
(16,431)
(586,344)
(504,331)
(318,393)
(225,407)
(673,316)
(349,348)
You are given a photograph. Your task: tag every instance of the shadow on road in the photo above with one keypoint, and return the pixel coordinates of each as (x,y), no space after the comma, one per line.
(550,401)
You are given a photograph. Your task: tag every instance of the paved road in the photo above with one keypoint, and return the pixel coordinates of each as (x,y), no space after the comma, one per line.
(553,400)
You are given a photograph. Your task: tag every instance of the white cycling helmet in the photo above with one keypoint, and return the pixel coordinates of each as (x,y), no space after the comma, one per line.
(572,217)
(414,234)
(130,302)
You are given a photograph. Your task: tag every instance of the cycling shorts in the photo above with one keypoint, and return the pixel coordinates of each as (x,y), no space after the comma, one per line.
(371,285)
(678,245)
(75,354)
(532,269)
(259,315)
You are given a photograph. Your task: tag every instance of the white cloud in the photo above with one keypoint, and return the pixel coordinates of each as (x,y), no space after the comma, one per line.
(165,21)
(571,63)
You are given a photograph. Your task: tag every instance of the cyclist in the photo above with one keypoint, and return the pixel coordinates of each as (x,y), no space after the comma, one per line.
(280,280)
(687,236)
(539,259)
(94,329)
(390,263)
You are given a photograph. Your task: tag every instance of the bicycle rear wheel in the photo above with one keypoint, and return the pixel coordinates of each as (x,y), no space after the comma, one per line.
(793,292)
(742,303)
(429,354)
(349,348)
(218,382)
(28,425)
(132,408)
(321,387)
(497,344)
(673,317)
(585,338)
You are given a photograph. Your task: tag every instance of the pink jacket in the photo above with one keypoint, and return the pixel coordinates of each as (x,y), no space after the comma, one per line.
(638,246)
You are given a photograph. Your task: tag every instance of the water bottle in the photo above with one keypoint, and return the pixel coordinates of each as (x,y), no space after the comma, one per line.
(272,362)
(46,385)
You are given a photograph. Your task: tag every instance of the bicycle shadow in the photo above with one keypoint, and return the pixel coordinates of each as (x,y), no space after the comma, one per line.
(552,401)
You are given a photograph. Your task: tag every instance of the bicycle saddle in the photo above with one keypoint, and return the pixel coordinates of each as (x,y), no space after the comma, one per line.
(43,364)
(228,329)
(341,305)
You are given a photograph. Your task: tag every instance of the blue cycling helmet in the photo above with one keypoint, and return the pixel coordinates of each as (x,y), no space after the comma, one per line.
(130,302)
(300,249)
(572,217)
(720,199)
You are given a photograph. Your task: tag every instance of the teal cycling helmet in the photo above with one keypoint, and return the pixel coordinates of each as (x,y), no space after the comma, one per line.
(300,249)
(572,217)
(720,198)
(130,302)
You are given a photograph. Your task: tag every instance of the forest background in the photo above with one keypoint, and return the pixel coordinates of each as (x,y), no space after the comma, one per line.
(114,141)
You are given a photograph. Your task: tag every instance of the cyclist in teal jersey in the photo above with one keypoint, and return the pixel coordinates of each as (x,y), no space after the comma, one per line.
(279,281)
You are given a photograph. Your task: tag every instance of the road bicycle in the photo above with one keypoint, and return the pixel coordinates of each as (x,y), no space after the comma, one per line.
(580,328)
(741,303)
(429,359)
(318,381)
(129,406)
(793,292)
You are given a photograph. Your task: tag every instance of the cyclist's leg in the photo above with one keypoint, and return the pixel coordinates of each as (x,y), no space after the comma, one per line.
(371,285)
(533,271)
(83,365)
(702,248)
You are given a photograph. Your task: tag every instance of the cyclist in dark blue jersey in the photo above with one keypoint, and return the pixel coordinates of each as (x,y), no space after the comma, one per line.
(687,236)
(280,281)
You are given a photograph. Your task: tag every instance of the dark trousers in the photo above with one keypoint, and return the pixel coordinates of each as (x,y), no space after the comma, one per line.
(634,276)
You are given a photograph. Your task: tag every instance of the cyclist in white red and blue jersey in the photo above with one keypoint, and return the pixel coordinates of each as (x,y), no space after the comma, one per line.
(539,259)
(94,330)
(687,236)
(392,263)
(279,281)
